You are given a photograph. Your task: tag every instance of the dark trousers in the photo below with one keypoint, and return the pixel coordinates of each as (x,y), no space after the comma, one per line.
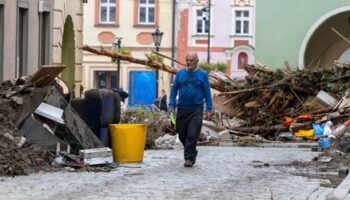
(189,125)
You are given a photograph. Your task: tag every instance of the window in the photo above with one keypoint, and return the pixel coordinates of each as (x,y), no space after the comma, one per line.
(202,22)
(106,79)
(242,22)
(1,42)
(147,10)
(242,59)
(44,42)
(107,11)
(22,42)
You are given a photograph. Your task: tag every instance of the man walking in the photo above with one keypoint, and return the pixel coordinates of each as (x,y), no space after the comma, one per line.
(192,86)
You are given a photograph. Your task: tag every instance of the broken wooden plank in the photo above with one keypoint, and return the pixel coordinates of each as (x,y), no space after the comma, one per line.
(46,75)
(30,103)
(253,104)
(214,127)
(218,103)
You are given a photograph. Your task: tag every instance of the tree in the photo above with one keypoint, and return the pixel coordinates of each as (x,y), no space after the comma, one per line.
(214,66)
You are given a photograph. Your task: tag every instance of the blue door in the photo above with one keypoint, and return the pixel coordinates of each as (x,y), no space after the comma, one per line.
(142,88)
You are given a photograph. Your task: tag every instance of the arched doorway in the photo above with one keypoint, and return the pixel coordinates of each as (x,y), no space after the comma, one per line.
(242,59)
(240,55)
(322,45)
(68,53)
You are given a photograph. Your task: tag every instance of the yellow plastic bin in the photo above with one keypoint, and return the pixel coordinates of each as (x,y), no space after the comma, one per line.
(128,141)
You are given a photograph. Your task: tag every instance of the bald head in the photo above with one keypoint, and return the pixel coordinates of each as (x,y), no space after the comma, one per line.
(192,55)
(191,60)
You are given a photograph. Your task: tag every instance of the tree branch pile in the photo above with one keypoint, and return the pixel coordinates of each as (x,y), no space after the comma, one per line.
(268,96)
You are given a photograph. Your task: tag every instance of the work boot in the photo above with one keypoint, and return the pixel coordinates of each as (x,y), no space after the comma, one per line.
(188,163)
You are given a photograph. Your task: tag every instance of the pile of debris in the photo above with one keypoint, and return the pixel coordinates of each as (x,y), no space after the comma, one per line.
(269,101)
(35,119)
(17,155)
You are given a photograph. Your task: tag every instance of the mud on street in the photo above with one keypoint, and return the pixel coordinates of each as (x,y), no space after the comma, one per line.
(220,173)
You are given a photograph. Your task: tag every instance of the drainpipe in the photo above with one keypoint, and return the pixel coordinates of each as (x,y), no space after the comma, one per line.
(173,38)
(173,34)
(209,11)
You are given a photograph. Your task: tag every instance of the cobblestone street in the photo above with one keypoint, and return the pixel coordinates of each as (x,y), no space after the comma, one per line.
(220,173)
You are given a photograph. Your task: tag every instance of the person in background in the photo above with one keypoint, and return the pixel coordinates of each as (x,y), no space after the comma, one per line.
(192,86)
(163,101)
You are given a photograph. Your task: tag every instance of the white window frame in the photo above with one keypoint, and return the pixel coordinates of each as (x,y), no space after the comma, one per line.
(147,6)
(242,19)
(204,21)
(252,22)
(108,5)
(194,21)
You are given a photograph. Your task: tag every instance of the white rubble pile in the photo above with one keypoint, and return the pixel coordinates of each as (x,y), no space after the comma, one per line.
(168,142)
(208,134)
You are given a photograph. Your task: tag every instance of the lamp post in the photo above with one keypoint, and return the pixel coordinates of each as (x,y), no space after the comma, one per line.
(157,38)
(208,10)
(117,45)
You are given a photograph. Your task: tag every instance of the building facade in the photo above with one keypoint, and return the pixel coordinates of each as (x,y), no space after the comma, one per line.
(232,32)
(67,38)
(32,34)
(133,21)
(304,33)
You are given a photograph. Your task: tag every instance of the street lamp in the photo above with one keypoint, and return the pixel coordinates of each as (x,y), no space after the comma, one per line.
(116,45)
(208,10)
(157,39)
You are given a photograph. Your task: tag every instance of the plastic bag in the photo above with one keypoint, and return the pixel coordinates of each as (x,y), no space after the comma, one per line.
(328,128)
(318,128)
(325,142)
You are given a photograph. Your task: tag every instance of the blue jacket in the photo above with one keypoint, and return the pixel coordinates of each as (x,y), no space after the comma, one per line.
(193,88)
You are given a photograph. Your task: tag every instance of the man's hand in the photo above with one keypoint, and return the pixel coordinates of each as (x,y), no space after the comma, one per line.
(207,115)
(171,110)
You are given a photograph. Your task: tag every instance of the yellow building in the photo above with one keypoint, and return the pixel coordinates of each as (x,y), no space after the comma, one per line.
(134,21)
